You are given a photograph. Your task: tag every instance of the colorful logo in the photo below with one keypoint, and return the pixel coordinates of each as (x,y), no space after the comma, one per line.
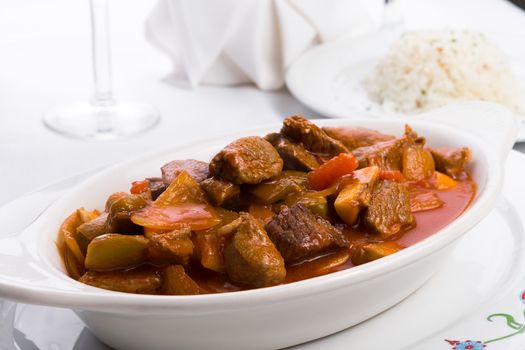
(517,328)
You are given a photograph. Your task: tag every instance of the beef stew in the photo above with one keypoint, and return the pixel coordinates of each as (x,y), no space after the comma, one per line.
(267,211)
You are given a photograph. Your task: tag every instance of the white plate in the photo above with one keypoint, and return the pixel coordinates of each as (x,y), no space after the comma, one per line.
(485,275)
(328,78)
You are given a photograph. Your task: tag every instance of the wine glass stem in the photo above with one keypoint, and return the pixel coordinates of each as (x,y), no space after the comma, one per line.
(103,95)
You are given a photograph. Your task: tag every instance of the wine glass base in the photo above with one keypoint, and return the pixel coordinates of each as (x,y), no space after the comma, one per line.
(102,122)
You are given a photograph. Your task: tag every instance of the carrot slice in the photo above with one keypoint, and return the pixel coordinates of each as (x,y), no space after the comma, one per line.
(443,182)
(138,187)
(332,170)
(391,175)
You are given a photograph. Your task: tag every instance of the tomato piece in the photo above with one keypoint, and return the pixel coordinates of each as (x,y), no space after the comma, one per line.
(391,175)
(138,187)
(197,216)
(332,170)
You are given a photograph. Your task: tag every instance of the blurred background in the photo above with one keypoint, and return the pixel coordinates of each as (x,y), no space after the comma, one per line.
(45,61)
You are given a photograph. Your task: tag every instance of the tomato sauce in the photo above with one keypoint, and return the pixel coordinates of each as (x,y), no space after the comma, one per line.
(428,222)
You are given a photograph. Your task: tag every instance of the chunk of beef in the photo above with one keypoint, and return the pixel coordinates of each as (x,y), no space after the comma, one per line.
(354,136)
(451,161)
(298,233)
(156,186)
(389,210)
(418,163)
(220,191)
(175,246)
(138,280)
(248,160)
(195,168)
(313,138)
(295,156)
(411,135)
(388,155)
(251,257)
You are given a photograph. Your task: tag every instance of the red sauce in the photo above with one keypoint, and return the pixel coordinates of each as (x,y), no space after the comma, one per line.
(428,222)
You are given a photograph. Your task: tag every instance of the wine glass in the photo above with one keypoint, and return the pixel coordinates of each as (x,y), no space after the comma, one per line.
(102,118)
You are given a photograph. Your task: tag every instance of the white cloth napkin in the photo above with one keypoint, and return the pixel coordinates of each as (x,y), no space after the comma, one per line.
(7,318)
(240,41)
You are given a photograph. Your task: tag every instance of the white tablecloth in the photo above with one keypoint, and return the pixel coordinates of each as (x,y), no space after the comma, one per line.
(45,62)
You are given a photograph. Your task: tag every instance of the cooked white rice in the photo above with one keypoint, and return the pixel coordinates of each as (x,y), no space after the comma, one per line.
(428,69)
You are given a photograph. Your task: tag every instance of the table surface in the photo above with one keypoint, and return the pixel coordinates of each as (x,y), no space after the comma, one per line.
(45,62)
